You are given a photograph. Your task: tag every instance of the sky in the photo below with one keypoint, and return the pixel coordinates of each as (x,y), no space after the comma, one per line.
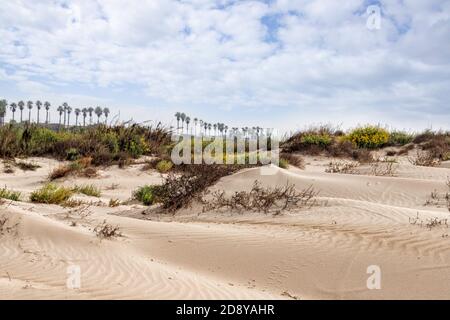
(283,64)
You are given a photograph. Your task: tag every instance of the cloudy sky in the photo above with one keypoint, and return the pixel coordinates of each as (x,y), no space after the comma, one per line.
(278,63)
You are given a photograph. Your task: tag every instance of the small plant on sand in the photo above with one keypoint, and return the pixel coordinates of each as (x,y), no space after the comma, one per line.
(145,195)
(27,166)
(346,167)
(283,163)
(114,203)
(384,167)
(370,137)
(293,159)
(51,194)
(9,194)
(88,190)
(164,166)
(105,230)
(266,200)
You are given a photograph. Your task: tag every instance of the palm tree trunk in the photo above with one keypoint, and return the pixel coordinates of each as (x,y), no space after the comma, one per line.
(38,116)
(29,116)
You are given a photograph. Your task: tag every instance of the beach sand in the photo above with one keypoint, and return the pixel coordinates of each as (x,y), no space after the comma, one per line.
(322,252)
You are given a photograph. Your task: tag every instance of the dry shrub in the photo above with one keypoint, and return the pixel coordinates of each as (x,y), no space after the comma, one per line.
(105,230)
(293,159)
(81,167)
(405,149)
(425,159)
(114,203)
(362,155)
(60,172)
(178,190)
(383,167)
(27,166)
(429,223)
(260,199)
(347,167)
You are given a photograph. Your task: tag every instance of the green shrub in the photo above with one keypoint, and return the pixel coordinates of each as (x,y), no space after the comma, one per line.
(145,194)
(321,140)
(400,138)
(51,194)
(283,163)
(164,166)
(370,137)
(9,194)
(88,190)
(72,154)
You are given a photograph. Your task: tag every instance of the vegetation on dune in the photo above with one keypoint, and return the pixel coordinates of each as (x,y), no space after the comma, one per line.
(5,193)
(105,145)
(51,194)
(88,190)
(369,137)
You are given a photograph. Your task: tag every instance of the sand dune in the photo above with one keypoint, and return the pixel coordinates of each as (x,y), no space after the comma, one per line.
(317,253)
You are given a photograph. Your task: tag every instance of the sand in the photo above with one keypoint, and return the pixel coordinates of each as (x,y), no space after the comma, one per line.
(318,253)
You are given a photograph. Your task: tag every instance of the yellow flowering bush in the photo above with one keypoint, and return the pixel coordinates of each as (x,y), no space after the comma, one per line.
(369,137)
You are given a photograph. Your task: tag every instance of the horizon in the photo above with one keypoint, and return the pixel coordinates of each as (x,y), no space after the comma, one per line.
(276,64)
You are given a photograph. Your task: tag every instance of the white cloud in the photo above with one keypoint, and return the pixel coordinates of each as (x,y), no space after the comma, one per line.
(215,53)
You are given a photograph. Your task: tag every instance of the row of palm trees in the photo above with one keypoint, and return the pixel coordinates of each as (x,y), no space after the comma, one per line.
(204,127)
(218,128)
(64,112)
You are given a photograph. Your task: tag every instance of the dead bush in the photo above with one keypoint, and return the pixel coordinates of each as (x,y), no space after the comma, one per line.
(266,200)
(424,159)
(346,167)
(384,167)
(105,230)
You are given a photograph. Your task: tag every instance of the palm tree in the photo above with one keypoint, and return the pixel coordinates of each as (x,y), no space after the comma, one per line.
(201,126)
(209,128)
(29,106)
(65,106)
(178,116)
(60,111)
(195,126)
(183,117)
(77,114)
(85,112)
(21,107)
(226,129)
(13,107)
(47,108)
(98,112)
(106,112)
(205,126)
(38,106)
(69,111)
(90,111)
(215,129)
(3,105)
(188,120)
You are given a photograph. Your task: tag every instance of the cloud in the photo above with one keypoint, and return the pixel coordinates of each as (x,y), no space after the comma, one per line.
(307,58)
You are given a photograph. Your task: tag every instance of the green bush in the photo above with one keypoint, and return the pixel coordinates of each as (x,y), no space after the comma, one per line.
(283,163)
(51,194)
(321,140)
(370,137)
(164,166)
(145,194)
(88,190)
(400,138)
(9,194)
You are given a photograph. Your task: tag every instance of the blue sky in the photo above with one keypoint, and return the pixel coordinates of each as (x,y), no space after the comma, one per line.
(283,63)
